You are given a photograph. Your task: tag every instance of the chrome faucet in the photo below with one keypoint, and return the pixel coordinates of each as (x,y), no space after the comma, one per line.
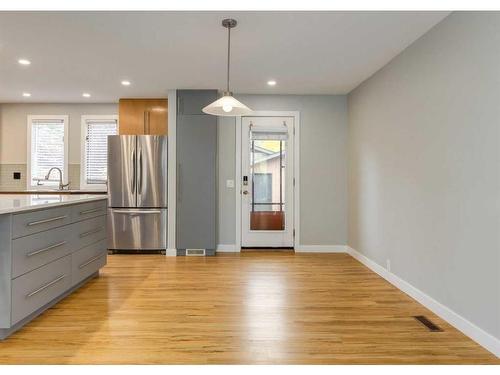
(61,185)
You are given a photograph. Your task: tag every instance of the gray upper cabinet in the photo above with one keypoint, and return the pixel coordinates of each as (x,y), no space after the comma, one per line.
(191,102)
(196,173)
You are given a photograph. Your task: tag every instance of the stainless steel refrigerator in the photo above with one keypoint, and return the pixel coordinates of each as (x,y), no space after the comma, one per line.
(137,192)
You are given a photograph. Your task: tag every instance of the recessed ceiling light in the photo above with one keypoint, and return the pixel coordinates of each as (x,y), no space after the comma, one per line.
(24,61)
(271,82)
(26,94)
(126,83)
(86,95)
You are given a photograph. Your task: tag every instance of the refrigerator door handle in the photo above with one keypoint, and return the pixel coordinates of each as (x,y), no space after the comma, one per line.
(179,177)
(139,189)
(137,211)
(134,177)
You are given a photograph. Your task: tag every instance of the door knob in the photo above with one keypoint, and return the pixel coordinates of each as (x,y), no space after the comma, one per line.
(245,192)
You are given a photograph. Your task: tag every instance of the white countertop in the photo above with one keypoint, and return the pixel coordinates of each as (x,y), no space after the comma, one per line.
(11,203)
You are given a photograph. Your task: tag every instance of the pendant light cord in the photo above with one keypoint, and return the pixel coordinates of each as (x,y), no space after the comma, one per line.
(228,54)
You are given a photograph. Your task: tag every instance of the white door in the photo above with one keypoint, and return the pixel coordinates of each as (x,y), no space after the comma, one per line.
(267,182)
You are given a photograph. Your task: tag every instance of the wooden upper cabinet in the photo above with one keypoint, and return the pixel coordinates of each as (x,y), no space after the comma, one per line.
(143,116)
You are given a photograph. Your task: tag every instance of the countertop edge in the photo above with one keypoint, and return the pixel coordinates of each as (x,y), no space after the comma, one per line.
(45,192)
(13,210)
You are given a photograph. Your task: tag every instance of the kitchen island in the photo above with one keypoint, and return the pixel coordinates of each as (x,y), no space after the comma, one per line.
(49,246)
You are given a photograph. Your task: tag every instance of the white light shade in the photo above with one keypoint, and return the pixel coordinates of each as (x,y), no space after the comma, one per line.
(227,106)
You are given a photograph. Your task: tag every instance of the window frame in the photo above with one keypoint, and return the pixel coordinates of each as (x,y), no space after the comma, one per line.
(83,164)
(65,120)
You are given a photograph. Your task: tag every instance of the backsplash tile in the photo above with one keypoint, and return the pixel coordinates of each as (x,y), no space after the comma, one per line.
(74,176)
(7,181)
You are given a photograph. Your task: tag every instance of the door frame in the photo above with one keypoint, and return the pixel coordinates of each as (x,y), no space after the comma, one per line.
(172,173)
(296,172)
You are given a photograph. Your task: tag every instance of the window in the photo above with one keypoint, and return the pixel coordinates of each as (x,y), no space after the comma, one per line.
(268,160)
(262,191)
(94,163)
(47,148)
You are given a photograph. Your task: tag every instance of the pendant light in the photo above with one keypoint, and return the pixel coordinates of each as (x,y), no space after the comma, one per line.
(227,105)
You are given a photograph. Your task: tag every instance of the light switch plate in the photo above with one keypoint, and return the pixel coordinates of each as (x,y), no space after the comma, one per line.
(230,184)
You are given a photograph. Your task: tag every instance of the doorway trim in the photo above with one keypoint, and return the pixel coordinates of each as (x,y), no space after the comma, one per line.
(172,173)
(296,172)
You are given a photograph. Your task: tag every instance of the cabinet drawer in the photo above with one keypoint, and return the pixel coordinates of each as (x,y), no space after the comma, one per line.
(89,210)
(37,288)
(35,250)
(31,222)
(88,260)
(90,231)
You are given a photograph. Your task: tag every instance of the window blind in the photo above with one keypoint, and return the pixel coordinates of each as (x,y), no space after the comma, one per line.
(96,150)
(47,148)
(268,133)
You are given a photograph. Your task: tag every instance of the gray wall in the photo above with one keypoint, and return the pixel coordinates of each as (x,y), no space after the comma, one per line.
(424,166)
(323,166)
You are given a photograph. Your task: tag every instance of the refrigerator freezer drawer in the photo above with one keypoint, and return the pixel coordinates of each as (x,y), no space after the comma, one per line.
(137,229)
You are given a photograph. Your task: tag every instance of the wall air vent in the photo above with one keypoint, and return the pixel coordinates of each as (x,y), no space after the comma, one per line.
(195,252)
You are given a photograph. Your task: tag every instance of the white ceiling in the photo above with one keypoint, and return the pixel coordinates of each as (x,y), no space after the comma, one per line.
(306,52)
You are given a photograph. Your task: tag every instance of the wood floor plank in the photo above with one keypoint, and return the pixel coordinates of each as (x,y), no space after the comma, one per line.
(252,308)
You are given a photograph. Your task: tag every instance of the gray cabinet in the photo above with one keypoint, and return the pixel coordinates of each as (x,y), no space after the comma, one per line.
(196,172)
(44,255)
(191,102)
(88,210)
(37,288)
(90,231)
(38,221)
(87,260)
(38,249)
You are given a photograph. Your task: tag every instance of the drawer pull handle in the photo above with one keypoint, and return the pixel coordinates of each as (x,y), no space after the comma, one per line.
(46,286)
(91,260)
(45,249)
(85,234)
(90,211)
(47,220)
(137,212)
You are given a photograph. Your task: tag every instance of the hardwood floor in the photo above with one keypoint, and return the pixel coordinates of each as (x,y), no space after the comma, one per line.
(252,308)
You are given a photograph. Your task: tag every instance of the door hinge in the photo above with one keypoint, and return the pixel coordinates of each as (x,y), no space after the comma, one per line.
(294,233)
(294,181)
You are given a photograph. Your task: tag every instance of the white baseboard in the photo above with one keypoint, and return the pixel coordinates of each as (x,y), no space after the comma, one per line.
(320,249)
(483,338)
(171,252)
(227,248)
(231,248)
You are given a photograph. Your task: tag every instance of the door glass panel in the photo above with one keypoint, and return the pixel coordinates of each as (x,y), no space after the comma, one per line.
(267,177)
